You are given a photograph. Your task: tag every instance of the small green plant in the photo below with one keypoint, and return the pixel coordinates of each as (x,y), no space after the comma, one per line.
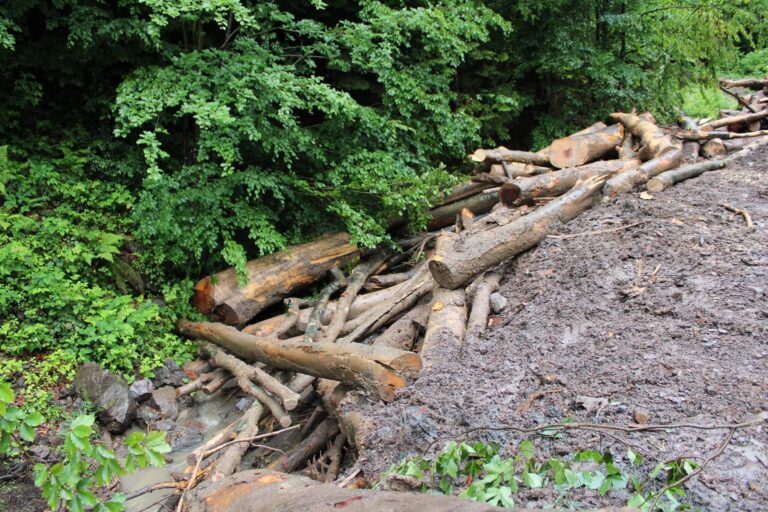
(85,466)
(477,472)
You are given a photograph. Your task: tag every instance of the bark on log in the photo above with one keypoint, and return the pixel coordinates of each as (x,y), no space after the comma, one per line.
(626,149)
(513,169)
(246,375)
(596,127)
(582,149)
(669,178)
(262,490)
(229,462)
(271,278)
(402,334)
(481,304)
(689,152)
(525,190)
(654,140)
(446,327)
(380,370)
(737,144)
(478,204)
(702,135)
(310,446)
(474,253)
(335,454)
(736,120)
(315,318)
(464,190)
(627,180)
(199,383)
(727,112)
(713,148)
(749,83)
(386,280)
(344,405)
(491,156)
(356,281)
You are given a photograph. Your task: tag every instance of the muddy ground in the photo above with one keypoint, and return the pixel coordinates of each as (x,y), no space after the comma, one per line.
(666,319)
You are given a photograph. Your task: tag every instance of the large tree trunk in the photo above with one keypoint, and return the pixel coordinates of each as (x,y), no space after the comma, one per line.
(654,140)
(582,149)
(271,278)
(596,127)
(262,490)
(629,179)
(380,370)
(479,203)
(444,339)
(525,190)
(667,179)
(473,253)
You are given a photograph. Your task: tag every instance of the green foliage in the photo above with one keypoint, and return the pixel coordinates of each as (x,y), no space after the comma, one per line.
(477,472)
(700,102)
(752,64)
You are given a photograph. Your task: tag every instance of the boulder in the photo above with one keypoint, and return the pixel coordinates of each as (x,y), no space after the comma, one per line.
(169,375)
(141,389)
(109,393)
(165,401)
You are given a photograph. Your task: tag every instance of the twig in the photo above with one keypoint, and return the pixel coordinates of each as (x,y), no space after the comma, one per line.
(740,211)
(597,232)
(737,98)
(349,478)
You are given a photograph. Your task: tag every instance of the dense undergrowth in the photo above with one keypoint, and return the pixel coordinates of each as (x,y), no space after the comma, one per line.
(146,143)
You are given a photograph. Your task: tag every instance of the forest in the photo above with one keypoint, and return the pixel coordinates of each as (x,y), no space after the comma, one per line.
(146,144)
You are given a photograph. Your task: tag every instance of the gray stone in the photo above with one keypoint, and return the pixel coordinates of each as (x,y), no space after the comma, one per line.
(498,302)
(187,434)
(141,389)
(147,414)
(164,425)
(169,375)
(110,394)
(243,404)
(165,401)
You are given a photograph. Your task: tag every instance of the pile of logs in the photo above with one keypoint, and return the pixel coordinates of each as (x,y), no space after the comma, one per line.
(395,314)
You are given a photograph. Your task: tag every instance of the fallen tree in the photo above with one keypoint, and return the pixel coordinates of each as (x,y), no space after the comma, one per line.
(577,150)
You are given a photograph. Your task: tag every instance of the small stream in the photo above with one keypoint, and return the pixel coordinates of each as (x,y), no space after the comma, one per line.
(195,425)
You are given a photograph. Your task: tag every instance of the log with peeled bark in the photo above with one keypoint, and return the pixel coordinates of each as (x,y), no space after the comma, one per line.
(309,446)
(271,278)
(578,150)
(514,169)
(749,83)
(689,152)
(473,253)
(262,490)
(589,129)
(381,370)
(625,181)
(704,135)
(669,178)
(713,148)
(478,204)
(654,140)
(492,156)
(736,120)
(626,150)
(481,303)
(525,190)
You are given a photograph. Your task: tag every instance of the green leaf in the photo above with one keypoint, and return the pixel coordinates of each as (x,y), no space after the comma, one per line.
(34,419)
(6,393)
(526,449)
(634,458)
(533,480)
(26,432)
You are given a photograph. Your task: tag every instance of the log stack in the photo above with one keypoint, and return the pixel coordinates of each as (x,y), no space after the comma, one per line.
(373,330)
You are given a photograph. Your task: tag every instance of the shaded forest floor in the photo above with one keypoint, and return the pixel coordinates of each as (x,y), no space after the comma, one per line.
(660,322)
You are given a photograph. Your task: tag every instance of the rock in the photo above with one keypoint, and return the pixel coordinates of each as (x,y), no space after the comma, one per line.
(147,414)
(243,404)
(498,302)
(165,425)
(40,451)
(187,435)
(110,394)
(164,400)
(641,415)
(141,389)
(169,374)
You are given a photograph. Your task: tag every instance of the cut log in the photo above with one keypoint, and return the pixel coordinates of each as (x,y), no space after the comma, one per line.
(713,148)
(343,404)
(466,219)
(356,281)
(626,149)
(749,83)
(474,253)
(514,169)
(525,190)
(335,453)
(737,144)
(446,326)
(581,149)
(702,135)
(478,204)
(596,127)
(386,280)
(229,462)
(627,180)
(402,334)
(262,490)
(380,370)
(311,445)
(736,120)
(653,139)
(464,190)
(481,304)
(315,318)
(690,152)
(271,278)
(669,178)
(492,156)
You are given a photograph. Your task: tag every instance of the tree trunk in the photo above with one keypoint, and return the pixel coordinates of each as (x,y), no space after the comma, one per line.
(492,156)
(689,152)
(629,179)
(312,444)
(380,370)
(749,83)
(666,179)
(525,190)
(703,135)
(596,127)
(474,253)
(446,326)
(736,120)
(713,148)
(478,204)
(653,139)
(402,334)
(386,280)
(481,304)
(271,278)
(581,149)
(262,490)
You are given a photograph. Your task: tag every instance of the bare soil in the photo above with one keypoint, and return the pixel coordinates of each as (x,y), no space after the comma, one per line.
(664,321)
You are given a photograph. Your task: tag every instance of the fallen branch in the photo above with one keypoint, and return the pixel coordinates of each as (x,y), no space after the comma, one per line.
(741,119)
(749,83)
(315,319)
(740,211)
(703,135)
(669,178)
(595,232)
(308,447)
(481,304)
(738,98)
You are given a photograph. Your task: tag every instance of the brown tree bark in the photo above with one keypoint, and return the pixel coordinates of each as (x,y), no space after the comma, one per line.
(669,178)
(315,318)
(653,139)
(386,280)
(311,445)
(478,204)
(474,253)
(481,304)
(713,148)
(749,83)
(335,454)
(380,370)
(525,190)
(271,278)
(629,179)
(736,120)
(343,404)
(689,152)
(581,149)
(626,149)
(596,127)
(402,334)
(261,490)
(704,135)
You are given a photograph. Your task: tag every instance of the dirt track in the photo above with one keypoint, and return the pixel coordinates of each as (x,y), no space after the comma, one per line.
(669,316)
